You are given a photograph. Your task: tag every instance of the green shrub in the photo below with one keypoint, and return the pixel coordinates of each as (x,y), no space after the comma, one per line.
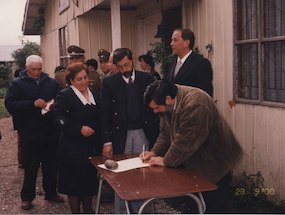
(3,111)
(5,75)
(2,92)
(248,195)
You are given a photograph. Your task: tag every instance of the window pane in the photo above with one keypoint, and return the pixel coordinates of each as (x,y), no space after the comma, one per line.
(274,71)
(247,19)
(247,65)
(274,18)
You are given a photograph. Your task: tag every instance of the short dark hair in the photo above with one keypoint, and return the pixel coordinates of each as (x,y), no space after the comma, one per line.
(120,53)
(148,59)
(92,62)
(59,69)
(17,72)
(158,90)
(187,34)
(73,69)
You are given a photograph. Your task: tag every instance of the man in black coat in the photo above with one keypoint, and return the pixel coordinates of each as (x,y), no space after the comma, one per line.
(128,124)
(29,100)
(189,68)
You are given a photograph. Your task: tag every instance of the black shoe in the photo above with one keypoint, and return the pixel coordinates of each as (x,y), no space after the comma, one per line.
(26,205)
(55,199)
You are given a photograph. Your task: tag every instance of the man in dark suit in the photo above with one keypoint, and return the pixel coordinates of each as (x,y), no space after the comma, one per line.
(128,124)
(189,68)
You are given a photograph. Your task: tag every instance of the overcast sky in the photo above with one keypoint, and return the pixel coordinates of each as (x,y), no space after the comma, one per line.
(11,19)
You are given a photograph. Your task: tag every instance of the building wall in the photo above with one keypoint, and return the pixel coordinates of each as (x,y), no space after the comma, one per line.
(54,20)
(89,29)
(258,128)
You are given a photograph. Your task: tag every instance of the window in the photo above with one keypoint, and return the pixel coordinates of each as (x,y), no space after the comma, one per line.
(63,47)
(260,51)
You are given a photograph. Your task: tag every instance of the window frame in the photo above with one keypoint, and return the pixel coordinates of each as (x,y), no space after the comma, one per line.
(260,41)
(63,44)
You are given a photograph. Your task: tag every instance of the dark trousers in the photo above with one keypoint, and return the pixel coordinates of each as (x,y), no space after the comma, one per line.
(20,153)
(217,201)
(39,150)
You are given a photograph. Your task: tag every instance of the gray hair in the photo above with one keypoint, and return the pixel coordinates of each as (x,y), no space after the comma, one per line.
(33,59)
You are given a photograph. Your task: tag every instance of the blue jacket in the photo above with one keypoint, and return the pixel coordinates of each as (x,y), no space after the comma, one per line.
(19,101)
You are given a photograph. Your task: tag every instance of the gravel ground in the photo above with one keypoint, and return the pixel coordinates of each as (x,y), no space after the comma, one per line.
(11,182)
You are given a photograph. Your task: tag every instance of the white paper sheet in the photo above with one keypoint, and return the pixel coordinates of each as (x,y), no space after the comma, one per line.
(47,108)
(127,164)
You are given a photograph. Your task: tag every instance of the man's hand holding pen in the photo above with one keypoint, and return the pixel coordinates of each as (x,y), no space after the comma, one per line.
(146,155)
(151,158)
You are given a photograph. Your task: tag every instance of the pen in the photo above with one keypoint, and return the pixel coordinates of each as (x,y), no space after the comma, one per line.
(143,151)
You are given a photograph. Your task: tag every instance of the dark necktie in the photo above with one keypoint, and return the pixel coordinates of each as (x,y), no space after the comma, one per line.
(130,80)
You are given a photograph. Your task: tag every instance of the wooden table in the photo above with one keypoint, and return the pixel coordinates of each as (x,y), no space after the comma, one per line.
(150,183)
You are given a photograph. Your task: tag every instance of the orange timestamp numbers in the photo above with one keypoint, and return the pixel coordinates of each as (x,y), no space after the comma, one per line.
(240,191)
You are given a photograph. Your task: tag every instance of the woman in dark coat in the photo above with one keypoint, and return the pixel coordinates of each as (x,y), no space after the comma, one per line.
(147,65)
(77,116)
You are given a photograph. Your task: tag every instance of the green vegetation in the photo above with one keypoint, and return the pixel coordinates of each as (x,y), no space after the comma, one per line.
(20,55)
(2,92)
(3,111)
(249,195)
(162,54)
(5,75)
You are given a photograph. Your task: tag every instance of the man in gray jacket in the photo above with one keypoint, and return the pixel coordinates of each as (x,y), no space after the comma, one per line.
(194,135)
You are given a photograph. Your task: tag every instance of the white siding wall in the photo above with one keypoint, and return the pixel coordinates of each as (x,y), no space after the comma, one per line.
(95,31)
(54,21)
(259,129)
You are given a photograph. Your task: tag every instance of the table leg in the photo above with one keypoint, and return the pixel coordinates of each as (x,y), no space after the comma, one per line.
(99,195)
(198,201)
(203,202)
(127,207)
(144,205)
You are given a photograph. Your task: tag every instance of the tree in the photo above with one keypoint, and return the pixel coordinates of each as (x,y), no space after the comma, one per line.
(162,54)
(20,55)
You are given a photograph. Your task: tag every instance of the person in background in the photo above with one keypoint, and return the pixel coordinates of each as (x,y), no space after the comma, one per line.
(59,76)
(147,65)
(20,152)
(189,68)
(29,99)
(94,77)
(77,114)
(75,54)
(112,66)
(127,123)
(103,56)
(193,135)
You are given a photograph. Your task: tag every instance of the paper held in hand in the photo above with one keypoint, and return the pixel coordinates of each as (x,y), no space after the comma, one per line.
(47,108)
(127,164)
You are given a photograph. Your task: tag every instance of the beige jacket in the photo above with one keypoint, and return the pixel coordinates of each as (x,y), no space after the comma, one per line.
(196,136)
